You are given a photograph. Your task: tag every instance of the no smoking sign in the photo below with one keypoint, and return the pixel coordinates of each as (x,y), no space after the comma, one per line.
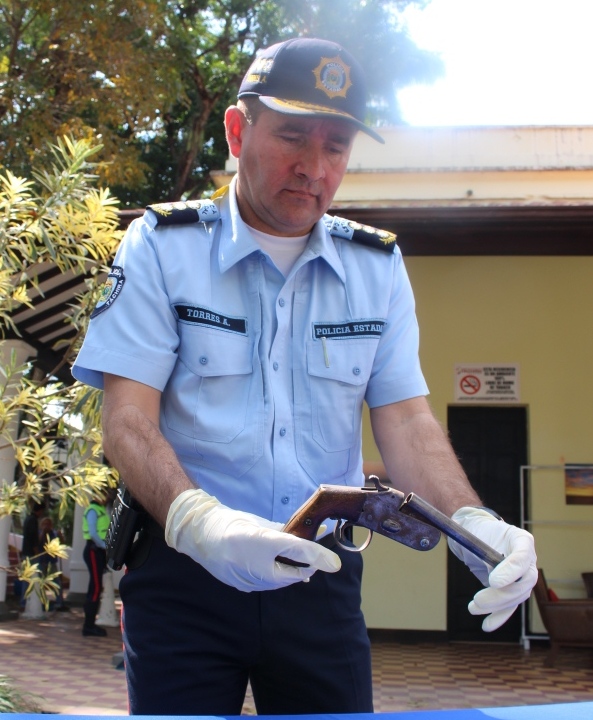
(470,384)
(487,383)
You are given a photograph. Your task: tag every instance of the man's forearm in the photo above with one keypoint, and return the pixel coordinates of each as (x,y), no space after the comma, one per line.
(134,445)
(419,457)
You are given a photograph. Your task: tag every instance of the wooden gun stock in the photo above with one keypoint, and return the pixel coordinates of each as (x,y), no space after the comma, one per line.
(335,502)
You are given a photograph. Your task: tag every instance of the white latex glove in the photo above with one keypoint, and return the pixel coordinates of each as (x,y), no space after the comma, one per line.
(510,583)
(239,548)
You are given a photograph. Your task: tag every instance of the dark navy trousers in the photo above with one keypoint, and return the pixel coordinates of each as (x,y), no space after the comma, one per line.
(192,643)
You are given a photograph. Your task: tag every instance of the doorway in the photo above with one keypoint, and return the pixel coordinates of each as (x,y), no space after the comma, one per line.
(491,443)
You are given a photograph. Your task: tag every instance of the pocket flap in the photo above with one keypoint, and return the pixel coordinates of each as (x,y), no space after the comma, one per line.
(347,361)
(212,353)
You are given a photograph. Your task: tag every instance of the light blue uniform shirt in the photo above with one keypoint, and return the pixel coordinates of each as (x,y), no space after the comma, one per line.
(258,407)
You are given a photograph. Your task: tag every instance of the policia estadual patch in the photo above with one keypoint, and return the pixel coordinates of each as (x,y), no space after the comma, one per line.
(366,328)
(110,291)
(209,318)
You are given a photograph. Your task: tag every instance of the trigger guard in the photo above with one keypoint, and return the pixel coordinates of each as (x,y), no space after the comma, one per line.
(339,537)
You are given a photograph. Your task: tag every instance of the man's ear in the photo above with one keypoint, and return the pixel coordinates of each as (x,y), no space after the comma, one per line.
(234,123)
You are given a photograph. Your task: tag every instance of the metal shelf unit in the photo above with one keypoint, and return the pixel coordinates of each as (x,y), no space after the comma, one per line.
(527,524)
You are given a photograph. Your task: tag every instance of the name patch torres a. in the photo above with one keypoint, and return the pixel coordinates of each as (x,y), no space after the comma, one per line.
(366,328)
(209,318)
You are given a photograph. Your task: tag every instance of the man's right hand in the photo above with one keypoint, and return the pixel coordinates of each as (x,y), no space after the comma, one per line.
(239,548)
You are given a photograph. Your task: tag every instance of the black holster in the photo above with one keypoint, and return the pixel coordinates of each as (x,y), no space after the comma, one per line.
(127,519)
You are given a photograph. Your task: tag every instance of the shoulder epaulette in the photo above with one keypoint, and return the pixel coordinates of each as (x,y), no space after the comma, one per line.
(183,213)
(364,234)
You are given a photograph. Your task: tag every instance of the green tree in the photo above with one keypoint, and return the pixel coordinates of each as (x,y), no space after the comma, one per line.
(152,77)
(60,219)
(83,68)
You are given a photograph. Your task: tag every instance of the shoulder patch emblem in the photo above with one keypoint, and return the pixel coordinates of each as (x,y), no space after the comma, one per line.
(110,291)
(364,234)
(184,213)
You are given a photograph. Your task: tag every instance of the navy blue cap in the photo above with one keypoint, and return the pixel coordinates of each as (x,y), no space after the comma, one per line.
(312,78)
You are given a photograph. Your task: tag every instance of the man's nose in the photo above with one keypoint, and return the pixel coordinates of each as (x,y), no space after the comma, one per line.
(310,163)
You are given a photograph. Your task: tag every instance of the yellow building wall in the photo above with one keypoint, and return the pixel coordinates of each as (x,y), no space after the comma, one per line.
(536,312)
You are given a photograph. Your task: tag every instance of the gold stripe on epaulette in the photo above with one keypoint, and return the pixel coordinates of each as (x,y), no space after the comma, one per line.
(362,234)
(221,192)
(184,213)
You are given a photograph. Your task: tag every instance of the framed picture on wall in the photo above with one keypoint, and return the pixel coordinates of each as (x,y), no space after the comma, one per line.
(578,481)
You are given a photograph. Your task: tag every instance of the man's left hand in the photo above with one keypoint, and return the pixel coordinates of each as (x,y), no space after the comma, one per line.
(509,583)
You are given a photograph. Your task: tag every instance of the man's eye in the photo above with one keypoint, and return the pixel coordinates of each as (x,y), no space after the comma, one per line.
(336,150)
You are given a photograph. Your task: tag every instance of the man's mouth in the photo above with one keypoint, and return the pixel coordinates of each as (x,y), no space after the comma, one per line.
(302,193)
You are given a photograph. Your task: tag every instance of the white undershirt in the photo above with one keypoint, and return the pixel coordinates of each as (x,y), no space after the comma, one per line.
(284,251)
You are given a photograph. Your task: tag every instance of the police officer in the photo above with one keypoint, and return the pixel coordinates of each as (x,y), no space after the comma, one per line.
(236,341)
(95,522)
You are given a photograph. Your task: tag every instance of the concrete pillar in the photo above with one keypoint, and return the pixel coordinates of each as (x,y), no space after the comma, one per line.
(108,615)
(5,613)
(79,574)
(34,608)
(7,466)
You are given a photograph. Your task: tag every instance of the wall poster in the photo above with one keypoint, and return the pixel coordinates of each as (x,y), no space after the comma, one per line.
(578,480)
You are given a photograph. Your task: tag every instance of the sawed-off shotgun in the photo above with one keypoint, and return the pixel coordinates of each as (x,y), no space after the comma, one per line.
(407,519)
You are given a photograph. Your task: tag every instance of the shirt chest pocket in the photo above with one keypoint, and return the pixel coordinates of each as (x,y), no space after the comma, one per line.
(211,388)
(338,373)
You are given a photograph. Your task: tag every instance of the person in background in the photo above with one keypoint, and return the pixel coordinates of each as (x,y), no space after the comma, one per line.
(236,340)
(95,523)
(31,547)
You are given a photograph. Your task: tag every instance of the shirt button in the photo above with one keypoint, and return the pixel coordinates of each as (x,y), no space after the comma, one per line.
(203,360)
(356,370)
(282,432)
(275,366)
(281,302)
(285,500)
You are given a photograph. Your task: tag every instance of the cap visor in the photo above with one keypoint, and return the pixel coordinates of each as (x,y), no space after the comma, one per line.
(295,107)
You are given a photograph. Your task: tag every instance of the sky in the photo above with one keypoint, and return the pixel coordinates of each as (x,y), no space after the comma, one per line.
(507,62)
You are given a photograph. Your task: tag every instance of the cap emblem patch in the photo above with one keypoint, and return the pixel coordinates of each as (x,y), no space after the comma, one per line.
(333,77)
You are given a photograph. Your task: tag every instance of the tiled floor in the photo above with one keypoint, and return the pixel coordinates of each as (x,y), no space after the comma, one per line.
(66,672)
(458,675)
(71,674)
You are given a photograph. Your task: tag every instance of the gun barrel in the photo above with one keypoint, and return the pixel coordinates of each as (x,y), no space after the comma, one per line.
(453,530)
